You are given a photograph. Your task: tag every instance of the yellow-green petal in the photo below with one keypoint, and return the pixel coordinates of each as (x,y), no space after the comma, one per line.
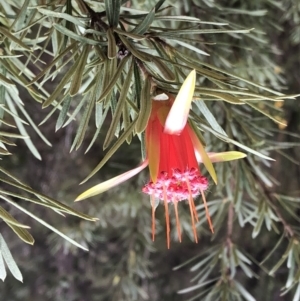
(226,156)
(179,112)
(111,183)
(204,156)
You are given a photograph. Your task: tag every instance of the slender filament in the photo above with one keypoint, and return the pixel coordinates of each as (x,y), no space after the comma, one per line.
(192,209)
(207,212)
(190,195)
(177,220)
(153,216)
(167,216)
(191,201)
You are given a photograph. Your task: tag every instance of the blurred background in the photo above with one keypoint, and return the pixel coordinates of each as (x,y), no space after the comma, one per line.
(123,263)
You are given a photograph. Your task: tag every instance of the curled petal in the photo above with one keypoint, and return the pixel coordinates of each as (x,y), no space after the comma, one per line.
(179,112)
(111,183)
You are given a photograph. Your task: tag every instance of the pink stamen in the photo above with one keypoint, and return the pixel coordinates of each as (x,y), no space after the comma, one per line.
(178,185)
(174,187)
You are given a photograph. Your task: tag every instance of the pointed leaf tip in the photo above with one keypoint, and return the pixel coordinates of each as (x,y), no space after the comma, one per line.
(102,187)
(179,112)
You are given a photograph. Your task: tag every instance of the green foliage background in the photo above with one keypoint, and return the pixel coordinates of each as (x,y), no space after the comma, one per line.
(255,252)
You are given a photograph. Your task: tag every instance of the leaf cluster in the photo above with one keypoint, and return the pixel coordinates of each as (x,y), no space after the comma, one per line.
(97,65)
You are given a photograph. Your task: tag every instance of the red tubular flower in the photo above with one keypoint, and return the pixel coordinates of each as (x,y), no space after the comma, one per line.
(171,146)
(174,171)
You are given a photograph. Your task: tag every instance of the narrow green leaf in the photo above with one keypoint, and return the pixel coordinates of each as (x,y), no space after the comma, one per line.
(256,13)
(7,141)
(144,57)
(184,19)
(98,114)
(63,113)
(18,102)
(190,47)
(137,81)
(4,152)
(114,79)
(2,93)
(68,17)
(159,4)
(100,53)
(60,86)
(10,219)
(6,80)
(166,73)
(119,108)
(11,37)
(10,262)
(85,118)
(75,36)
(40,201)
(238,191)
(297,293)
(229,140)
(22,130)
(192,60)
(171,33)
(145,107)
(3,273)
(10,175)
(77,76)
(209,116)
(274,249)
(257,108)
(259,223)
(44,201)
(204,261)
(226,97)
(56,106)
(41,221)
(99,81)
(243,291)
(21,16)
(112,150)
(104,76)
(112,8)
(194,287)
(127,120)
(111,44)
(131,35)
(22,233)
(143,26)
(260,173)
(68,51)
(98,129)
(77,109)
(197,66)
(12,135)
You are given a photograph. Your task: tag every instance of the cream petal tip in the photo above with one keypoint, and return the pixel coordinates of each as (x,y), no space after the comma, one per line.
(178,115)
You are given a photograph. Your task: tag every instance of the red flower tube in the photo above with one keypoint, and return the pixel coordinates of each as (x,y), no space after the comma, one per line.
(174,170)
(171,147)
